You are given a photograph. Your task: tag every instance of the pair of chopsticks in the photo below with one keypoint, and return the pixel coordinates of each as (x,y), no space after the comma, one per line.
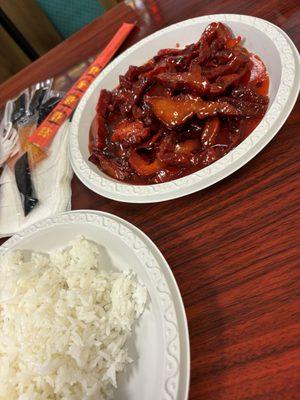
(46,131)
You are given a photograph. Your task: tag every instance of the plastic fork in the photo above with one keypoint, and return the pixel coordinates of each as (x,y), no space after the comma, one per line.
(8,143)
(7,115)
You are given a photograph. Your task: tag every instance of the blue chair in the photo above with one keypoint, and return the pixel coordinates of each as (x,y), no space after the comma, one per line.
(69,16)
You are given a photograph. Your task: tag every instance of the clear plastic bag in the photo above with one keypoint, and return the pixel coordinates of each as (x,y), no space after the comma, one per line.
(21,117)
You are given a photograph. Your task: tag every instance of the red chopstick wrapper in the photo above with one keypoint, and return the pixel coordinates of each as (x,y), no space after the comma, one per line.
(44,134)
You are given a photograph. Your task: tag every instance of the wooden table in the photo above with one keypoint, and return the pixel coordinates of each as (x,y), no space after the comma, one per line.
(234,247)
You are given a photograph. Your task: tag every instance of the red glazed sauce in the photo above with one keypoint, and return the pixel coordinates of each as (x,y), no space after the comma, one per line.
(181,111)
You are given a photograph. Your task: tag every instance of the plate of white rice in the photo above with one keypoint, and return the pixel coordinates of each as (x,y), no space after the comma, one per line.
(89,309)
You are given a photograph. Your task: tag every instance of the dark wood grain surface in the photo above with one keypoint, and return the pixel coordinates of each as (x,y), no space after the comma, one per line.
(234,247)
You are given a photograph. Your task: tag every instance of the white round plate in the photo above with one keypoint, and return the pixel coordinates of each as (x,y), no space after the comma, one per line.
(261,37)
(160,344)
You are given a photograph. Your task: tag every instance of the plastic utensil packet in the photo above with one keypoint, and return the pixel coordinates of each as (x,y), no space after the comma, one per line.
(22,115)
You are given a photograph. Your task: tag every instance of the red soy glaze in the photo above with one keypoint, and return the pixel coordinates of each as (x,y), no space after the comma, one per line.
(181,111)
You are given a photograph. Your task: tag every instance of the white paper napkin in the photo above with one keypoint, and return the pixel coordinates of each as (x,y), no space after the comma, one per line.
(52,182)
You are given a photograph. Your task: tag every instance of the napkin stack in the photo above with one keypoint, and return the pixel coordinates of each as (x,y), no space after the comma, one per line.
(52,183)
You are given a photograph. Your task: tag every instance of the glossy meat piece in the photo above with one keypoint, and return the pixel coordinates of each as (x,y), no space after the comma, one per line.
(139,87)
(231,43)
(208,156)
(166,174)
(222,57)
(248,93)
(216,30)
(110,166)
(202,55)
(98,133)
(130,132)
(174,111)
(233,64)
(222,83)
(143,167)
(158,89)
(187,51)
(258,70)
(133,72)
(192,80)
(124,99)
(93,135)
(210,131)
(103,103)
(182,153)
(168,52)
(149,144)
(137,112)
(246,108)
(164,65)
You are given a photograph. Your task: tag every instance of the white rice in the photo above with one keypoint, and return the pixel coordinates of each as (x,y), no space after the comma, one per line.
(64,323)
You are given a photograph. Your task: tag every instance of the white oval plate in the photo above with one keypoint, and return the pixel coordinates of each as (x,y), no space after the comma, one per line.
(160,344)
(263,38)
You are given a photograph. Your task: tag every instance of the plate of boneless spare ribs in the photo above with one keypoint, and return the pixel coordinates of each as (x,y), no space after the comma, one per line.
(184,108)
